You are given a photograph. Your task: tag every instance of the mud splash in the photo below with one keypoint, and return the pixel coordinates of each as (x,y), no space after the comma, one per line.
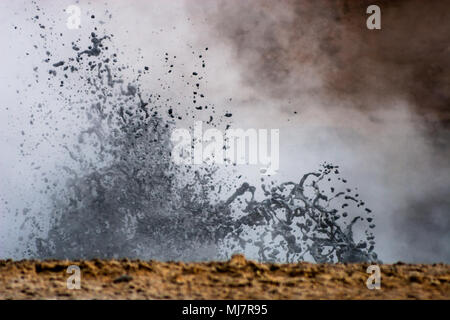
(125,198)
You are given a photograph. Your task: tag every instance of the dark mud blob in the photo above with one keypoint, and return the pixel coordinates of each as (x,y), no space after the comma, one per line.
(58,64)
(95,49)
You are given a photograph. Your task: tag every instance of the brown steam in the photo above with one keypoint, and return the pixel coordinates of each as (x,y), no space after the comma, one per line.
(279,42)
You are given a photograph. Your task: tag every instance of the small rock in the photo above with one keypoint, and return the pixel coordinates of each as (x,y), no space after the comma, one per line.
(123,278)
(238,260)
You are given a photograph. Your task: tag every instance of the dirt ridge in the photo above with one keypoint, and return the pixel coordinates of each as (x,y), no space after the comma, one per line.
(237,278)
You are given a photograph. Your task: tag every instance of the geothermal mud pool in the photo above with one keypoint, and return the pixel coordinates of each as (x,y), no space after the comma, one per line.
(111,200)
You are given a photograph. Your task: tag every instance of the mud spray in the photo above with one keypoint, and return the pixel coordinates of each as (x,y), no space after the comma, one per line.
(114,192)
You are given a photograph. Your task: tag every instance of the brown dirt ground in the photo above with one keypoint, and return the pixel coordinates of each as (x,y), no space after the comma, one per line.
(235,279)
